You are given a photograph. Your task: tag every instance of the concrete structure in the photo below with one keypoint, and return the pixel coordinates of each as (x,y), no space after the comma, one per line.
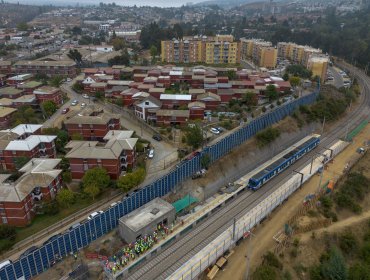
(318,65)
(145,219)
(262,53)
(40,180)
(211,50)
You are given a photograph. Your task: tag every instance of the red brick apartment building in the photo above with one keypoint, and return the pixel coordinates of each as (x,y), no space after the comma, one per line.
(92,123)
(34,146)
(40,181)
(47,93)
(2,80)
(18,79)
(10,92)
(5,116)
(5,67)
(51,68)
(116,155)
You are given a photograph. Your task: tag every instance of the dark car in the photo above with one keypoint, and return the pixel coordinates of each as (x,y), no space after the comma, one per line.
(157,137)
(28,251)
(52,238)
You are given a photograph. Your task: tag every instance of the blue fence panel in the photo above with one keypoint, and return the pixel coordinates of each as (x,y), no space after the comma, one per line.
(62,247)
(31,262)
(44,257)
(25,268)
(38,262)
(49,252)
(72,235)
(10,272)
(55,246)
(18,269)
(3,273)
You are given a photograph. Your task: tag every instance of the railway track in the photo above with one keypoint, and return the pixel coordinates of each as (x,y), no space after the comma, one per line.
(171,258)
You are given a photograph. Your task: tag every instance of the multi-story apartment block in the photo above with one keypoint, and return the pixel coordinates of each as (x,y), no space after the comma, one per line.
(51,68)
(47,93)
(318,65)
(211,50)
(116,155)
(296,53)
(5,67)
(40,181)
(92,123)
(6,116)
(262,53)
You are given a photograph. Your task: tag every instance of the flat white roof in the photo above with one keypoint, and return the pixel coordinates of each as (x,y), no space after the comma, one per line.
(186,97)
(175,73)
(147,213)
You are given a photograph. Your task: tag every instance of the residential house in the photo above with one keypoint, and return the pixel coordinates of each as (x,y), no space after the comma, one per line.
(10,92)
(146,108)
(18,79)
(5,116)
(174,101)
(172,117)
(5,67)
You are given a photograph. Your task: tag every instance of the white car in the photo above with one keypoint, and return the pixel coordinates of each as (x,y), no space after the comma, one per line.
(83,105)
(151,153)
(94,214)
(74,102)
(85,96)
(215,130)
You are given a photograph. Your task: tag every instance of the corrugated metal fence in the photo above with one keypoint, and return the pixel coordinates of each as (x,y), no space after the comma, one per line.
(73,240)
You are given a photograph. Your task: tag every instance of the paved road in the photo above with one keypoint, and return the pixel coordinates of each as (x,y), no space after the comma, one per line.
(171,258)
(338,79)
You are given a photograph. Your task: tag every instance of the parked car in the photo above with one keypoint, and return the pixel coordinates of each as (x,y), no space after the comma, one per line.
(199,174)
(69,80)
(94,214)
(65,110)
(157,137)
(214,130)
(83,105)
(28,251)
(85,96)
(220,129)
(151,153)
(74,102)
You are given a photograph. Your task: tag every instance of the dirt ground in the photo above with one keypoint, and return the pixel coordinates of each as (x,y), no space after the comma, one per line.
(263,235)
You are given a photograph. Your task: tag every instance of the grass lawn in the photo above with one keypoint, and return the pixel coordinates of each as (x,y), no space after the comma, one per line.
(41,222)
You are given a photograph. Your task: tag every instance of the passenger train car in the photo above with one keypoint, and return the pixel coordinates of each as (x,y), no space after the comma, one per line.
(282,163)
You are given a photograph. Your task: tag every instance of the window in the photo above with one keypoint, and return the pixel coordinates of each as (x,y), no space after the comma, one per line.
(4,220)
(146,103)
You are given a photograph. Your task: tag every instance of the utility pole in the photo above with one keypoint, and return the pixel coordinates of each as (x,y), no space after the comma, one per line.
(323,125)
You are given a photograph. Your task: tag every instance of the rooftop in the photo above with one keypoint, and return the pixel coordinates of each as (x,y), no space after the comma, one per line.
(5,111)
(46,90)
(10,91)
(186,97)
(21,77)
(38,172)
(29,143)
(60,63)
(91,115)
(23,128)
(174,113)
(147,213)
(30,84)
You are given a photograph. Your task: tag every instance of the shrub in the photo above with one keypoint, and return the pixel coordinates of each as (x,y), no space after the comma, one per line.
(267,135)
(271,260)
(264,272)
(348,242)
(7,231)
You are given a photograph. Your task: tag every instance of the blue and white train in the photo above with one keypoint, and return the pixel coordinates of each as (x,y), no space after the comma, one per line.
(282,163)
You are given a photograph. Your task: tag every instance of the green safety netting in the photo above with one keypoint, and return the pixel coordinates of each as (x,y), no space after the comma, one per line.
(184,202)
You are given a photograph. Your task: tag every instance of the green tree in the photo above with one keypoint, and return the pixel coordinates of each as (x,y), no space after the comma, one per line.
(96,176)
(231,75)
(7,231)
(62,137)
(22,26)
(118,44)
(294,81)
(19,162)
(194,136)
(299,71)
(56,81)
(205,161)
(123,59)
(335,267)
(359,271)
(131,180)
(271,92)
(67,177)
(49,107)
(286,76)
(267,135)
(75,55)
(65,198)
(250,98)
(153,52)
(92,190)
(264,272)
(24,114)
(77,87)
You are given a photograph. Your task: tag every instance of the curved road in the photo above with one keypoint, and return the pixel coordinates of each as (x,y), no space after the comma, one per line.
(170,259)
